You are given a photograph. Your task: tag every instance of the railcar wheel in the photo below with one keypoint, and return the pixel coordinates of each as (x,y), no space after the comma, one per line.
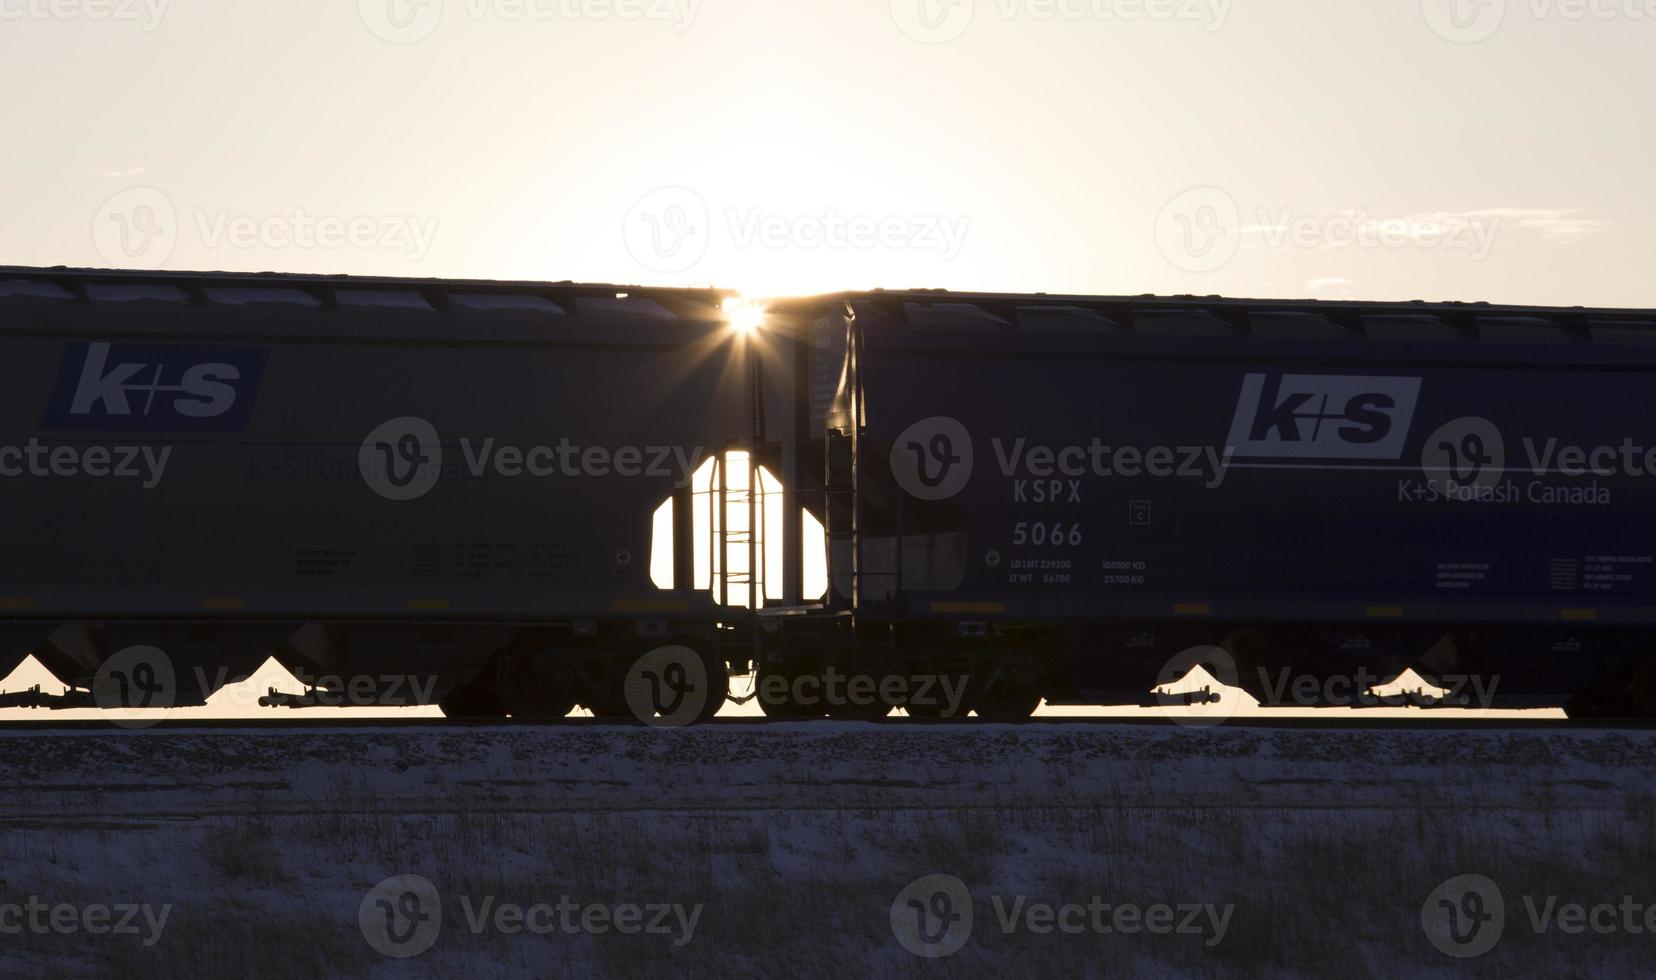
(602,687)
(718,683)
(1627,694)
(1011,694)
(928,698)
(1642,687)
(472,701)
(782,706)
(537,684)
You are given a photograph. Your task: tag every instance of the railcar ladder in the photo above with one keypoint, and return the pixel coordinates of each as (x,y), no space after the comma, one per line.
(739,555)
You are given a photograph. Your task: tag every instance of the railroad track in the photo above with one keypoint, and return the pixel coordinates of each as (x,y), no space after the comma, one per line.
(1343,723)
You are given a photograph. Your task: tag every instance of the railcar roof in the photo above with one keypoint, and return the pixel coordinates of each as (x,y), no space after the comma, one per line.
(1187,301)
(271,290)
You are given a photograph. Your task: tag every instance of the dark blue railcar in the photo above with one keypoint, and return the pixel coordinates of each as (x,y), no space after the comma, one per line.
(362,477)
(1093,485)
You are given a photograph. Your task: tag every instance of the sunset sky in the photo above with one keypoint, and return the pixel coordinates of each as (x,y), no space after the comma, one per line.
(1454,149)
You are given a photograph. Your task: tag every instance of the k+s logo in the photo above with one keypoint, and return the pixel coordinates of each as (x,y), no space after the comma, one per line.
(1299,416)
(104,386)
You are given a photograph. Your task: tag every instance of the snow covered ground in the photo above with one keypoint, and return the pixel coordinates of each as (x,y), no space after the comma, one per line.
(827,851)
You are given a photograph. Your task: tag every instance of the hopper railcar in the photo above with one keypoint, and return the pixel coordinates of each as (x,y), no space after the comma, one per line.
(1077,498)
(443,492)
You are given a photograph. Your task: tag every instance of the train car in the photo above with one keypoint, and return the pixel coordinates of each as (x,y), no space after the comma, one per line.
(477,494)
(1060,497)
(505,498)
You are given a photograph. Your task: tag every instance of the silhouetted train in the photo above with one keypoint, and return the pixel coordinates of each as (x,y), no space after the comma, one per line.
(501,497)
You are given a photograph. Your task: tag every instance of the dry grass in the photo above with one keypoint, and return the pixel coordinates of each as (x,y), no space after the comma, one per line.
(803,886)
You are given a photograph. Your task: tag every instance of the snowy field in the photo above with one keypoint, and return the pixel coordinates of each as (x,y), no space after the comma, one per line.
(842,850)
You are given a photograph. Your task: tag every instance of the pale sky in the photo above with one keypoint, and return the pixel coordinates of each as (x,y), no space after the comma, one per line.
(1447,149)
